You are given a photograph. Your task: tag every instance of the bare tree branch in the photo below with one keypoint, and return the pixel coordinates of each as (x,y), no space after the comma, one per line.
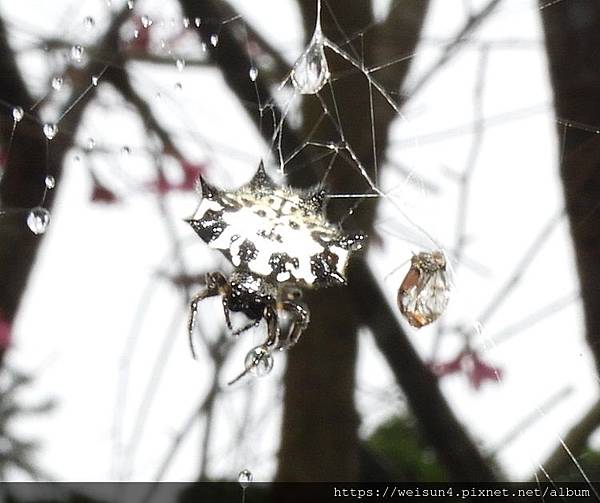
(471,25)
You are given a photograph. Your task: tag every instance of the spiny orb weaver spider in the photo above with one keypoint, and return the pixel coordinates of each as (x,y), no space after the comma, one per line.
(279,241)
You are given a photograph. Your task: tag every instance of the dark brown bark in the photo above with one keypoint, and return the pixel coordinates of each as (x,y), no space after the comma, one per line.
(22,183)
(572,38)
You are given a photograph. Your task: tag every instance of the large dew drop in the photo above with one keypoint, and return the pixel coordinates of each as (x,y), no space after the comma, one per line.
(311,72)
(50,130)
(244,478)
(214,39)
(38,220)
(259,361)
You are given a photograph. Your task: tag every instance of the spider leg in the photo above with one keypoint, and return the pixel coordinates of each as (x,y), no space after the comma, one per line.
(215,285)
(273,331)
(299,323)
(270,316)
(254,323)
(226,311)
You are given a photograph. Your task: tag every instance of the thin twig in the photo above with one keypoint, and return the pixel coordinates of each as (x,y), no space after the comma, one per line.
(521,268)
(472,24)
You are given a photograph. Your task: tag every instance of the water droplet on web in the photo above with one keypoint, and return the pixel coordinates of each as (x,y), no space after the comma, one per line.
(253,73)
(245,477)
(50,182)
(311,71)
(77,53)
(89,22)
(180,63)
(94,80)
(178,86)
(214,39)
(91,143)
(259,361)
(130,4)
(186,22)
(136,33)
(125,150)
(197,22)
(146,21)
(50,130)
(38,220)
(203,45)
(57,83)
(17,114)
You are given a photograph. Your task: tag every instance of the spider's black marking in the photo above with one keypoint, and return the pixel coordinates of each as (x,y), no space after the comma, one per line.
(210,227)
(271,235)
(278,262)
(324,268)
(247,251)
(249,295)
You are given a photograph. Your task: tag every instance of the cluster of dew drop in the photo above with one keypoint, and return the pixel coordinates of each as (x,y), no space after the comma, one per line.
(38,217)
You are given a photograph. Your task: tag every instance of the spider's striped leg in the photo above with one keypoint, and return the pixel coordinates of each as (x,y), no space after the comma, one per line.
(273,331)
(238,331)
(216,284)
(301,317)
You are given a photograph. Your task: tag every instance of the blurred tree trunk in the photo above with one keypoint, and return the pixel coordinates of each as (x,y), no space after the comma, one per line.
(320,423)
(22,182)
(572,31)
(572,37)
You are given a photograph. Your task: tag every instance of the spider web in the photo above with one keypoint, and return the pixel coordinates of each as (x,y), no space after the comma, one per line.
(133,168)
